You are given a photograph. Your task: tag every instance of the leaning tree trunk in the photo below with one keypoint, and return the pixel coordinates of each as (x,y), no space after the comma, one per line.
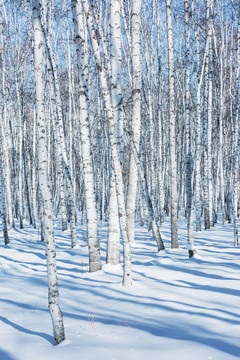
(44,186)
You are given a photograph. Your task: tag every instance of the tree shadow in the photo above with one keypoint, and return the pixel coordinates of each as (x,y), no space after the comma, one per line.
(26,331)
(4,355)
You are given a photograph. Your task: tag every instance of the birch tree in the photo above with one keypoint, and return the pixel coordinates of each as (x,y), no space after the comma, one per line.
(82,61)
(2,196)
(60,132)
(128,117)
(136,115)
(172,131)
(127,264)
(189,160)
(113,242)
(3,134)
(236,142)
(46,197)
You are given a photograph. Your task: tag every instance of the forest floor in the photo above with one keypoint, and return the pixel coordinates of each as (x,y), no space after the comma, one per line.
(177,308)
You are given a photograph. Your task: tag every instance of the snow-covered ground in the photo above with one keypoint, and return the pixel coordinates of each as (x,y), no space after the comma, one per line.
(176,309)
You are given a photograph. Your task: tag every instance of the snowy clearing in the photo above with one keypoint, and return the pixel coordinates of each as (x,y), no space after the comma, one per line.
(176,309)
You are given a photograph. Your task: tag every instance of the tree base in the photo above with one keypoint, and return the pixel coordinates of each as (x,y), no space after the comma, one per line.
(191,253)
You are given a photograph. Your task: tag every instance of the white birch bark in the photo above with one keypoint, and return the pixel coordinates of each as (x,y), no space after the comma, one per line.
(160,162)
(205,129)
(26,180)
(160,127)
(53,295)
(59,167)
(113,240)
(236,144)
(3,209)
(113,246)
(210,120)
(3,134)
(2,193)
(197,156)
(136,115)
(127,264)
(71,103)
(20,159)
(172,132)
(221,115)
(7,171)
(91,206)
(34,195)
(198,134)
(149,209)
(61,136)
(189,160)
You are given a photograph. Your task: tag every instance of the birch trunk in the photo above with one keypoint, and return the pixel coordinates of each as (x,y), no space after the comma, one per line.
(127,264)
(59,167)
(172,132)
(210,115)
(160,129)
(44,186)
(205,129)
(222,94)
(113,240)
(236,144)
(2,194)
(91,206)
(20,161)
(34,205)
(113,247)
(3,133)
(61,136)
(136,116)
(149,209)
(207,132)
(198,135)
(189,162)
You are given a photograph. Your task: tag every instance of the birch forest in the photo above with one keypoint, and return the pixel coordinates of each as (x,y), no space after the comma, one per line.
(118,112)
